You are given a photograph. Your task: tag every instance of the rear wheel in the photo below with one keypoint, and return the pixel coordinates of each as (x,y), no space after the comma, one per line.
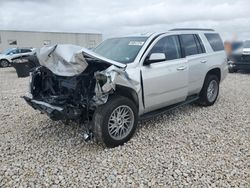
(210,91)
(115,122)
(4,63)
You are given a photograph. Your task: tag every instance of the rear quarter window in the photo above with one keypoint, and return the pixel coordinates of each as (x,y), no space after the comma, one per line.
(215,41)
(25,50)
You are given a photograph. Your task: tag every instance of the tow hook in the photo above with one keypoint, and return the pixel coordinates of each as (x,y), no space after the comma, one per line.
(88,136)
(87,131)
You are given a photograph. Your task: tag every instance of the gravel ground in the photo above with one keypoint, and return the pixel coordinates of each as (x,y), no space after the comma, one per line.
(190,146)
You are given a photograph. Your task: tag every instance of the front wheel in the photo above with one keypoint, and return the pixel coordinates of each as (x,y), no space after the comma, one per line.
(210,91)
(115,122)
(4,63)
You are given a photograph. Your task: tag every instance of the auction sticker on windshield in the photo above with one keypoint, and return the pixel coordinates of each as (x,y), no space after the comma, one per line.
(136,43)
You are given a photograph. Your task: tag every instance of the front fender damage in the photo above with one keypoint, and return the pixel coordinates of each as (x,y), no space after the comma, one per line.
(107,80)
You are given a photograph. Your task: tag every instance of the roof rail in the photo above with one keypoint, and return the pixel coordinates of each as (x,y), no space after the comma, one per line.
(191,29)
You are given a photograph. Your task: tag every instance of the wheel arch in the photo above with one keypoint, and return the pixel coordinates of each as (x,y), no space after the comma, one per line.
(127,92)
(215,71)
(5,59)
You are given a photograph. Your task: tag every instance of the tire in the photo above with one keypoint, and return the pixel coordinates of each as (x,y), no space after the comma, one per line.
(106,125)
(232,70)
(4,63)
(210,90)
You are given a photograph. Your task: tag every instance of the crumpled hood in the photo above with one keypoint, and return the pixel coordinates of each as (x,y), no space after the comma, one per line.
(70,60)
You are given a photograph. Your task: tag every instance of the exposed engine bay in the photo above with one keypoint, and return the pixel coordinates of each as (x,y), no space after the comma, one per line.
(70,83)
(74,94)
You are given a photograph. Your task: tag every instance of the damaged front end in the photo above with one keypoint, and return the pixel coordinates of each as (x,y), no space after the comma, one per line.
(61,97)
(72,82)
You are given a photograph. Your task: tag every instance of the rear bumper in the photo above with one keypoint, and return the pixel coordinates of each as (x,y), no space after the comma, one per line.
(240,62)
(240,66)
(54,112)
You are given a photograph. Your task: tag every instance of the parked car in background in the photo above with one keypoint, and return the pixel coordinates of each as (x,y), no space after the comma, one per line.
(126,79)
(240,58)
(8,55)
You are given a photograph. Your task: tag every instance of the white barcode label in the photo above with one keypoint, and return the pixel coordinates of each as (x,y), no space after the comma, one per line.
(136,43)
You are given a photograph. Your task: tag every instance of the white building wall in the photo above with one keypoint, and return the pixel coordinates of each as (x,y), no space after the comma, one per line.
(39,39)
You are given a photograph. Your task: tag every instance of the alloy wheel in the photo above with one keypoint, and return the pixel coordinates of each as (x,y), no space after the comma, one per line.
(212,91)
(121,122)
(4,63)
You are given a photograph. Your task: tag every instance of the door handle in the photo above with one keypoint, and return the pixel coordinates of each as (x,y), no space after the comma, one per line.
(181,68)
(203,61)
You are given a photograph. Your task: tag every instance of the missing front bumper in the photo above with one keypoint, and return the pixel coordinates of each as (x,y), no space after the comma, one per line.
(54,112)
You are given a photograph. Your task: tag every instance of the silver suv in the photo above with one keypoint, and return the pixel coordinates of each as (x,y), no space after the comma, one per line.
(127,79)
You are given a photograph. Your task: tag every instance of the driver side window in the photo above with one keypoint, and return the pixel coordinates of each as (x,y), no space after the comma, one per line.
(15,51)
(170,46)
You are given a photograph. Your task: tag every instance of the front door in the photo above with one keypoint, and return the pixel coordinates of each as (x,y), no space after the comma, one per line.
(165,82)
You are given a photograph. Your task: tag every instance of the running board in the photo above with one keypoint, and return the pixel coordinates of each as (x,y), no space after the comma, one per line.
(161,111)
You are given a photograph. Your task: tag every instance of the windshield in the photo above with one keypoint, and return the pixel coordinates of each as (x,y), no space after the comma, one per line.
(6,52)
(247,44)
(123,50)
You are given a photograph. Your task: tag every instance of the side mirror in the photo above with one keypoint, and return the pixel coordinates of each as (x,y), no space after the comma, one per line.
(155,57)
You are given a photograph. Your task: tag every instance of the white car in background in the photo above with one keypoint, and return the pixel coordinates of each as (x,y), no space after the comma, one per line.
(8,55)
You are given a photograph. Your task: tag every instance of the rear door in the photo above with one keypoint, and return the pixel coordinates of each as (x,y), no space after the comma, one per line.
(165,82)
(197,59)
(25,52)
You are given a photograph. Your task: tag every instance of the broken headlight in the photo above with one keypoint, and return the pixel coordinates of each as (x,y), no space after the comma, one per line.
(101,79)
(104,83)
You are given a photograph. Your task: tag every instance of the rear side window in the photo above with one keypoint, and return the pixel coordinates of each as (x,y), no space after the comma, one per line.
(192,44)
(170,46)
(215,41)
(25,50)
